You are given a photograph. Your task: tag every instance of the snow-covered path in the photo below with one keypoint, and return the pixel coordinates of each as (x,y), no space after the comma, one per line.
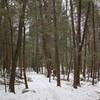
(41,89)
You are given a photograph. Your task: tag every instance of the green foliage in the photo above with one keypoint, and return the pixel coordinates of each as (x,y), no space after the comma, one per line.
(3,11)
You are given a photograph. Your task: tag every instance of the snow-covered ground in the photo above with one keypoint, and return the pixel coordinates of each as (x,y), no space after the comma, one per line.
(41,89)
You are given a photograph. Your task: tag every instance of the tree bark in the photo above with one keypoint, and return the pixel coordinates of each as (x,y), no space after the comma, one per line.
(18,48)
(57,62)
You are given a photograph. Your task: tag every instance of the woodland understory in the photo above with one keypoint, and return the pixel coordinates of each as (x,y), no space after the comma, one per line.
(51,37)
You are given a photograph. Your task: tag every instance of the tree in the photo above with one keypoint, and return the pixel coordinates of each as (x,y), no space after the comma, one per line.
(57,63)
(18,48)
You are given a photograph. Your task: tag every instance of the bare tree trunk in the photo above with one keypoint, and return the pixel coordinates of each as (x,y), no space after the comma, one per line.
(57,62)
(11,29)
(80,44)
(24,62)
(84,66)
(18,48)
(94,44)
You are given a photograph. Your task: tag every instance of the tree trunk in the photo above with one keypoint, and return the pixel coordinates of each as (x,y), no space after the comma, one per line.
(17,51)
(94,44)
(57,62)
(24,61)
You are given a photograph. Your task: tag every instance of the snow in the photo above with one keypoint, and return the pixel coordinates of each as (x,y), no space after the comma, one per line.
(41,89)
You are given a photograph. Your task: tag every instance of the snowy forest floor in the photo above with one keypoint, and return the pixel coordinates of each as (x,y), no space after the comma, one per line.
(41,89)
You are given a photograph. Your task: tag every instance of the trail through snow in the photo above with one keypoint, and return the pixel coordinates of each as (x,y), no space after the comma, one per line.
(41,89)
